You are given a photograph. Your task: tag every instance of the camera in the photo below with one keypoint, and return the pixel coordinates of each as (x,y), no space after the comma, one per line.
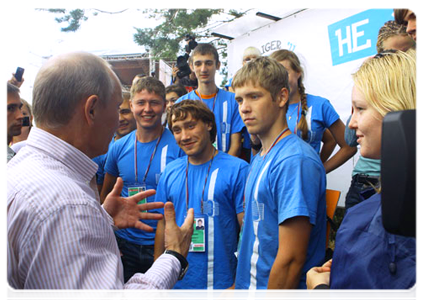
(182,61)
(183,66)
(191,44)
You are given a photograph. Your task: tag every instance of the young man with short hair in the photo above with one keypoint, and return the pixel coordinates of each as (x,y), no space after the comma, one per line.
(127,124)
(204,62)
(285,215)
(139,158)
(212,182)
(14,116)
(407,18)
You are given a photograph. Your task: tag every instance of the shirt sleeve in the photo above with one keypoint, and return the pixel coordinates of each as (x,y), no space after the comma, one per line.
(330,115)
(349,135)
(110,165)
(297,188)
(75,248)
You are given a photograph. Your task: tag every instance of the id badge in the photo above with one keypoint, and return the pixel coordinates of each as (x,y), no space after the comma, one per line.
(198,240)
(133,190)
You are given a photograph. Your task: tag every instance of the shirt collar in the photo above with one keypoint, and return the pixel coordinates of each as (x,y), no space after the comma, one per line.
(62,151)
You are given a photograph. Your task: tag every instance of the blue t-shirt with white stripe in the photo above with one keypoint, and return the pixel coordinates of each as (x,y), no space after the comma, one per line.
(121,163)
(223,200)
(290,182)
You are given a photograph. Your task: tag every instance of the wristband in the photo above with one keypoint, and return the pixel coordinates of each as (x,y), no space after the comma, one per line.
(182,260)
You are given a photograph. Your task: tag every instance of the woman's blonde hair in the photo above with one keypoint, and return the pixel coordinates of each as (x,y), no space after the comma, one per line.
(292,58)
(388,81)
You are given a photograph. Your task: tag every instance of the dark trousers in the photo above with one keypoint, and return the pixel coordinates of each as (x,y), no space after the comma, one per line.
(135,258)
(361,188)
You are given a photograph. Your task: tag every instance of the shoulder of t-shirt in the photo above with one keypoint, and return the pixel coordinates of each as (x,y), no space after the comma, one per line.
(293,147)
(231,160)
(191,95)
(176,164)
(226,93)
(314,98)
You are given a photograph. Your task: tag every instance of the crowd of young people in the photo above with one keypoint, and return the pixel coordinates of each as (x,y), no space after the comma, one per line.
(216,221)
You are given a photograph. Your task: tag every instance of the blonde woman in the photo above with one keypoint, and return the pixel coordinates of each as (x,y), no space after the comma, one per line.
(366,256)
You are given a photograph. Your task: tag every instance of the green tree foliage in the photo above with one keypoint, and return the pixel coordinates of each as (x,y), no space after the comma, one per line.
(166,40)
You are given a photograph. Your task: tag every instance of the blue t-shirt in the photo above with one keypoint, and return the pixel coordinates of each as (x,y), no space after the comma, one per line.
(228,120)
(223,200)
(121,163)
(101,162)
(320,115)
(288,183)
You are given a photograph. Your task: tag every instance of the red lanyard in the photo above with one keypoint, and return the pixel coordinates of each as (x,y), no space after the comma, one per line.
(275,141)
(205,183)
(151,157)
(214,100)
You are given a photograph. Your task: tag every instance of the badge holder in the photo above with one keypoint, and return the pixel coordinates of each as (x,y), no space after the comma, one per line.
(198,240)
(133,190)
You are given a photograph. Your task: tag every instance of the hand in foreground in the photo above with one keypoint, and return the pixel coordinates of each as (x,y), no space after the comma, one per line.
(227,294)
(178,238)
(126,212)
(319,275)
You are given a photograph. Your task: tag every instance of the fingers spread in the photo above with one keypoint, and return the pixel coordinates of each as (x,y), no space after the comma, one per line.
(141,195)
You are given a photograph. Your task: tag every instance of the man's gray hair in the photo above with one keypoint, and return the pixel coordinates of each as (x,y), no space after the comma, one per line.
(66,80)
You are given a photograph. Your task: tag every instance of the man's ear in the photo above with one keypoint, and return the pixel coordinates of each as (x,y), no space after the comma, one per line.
(91,108)
(218,66)
(283,97)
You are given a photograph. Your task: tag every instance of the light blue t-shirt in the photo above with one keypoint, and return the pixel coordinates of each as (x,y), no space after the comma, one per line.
(223,200)
(288,183)
(228,120)
(121,163)
(320,115)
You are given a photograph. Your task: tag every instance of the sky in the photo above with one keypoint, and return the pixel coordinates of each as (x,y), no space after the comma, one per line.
(38,35)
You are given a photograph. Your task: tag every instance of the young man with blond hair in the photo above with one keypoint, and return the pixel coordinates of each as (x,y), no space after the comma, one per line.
(285,214)
(139,158)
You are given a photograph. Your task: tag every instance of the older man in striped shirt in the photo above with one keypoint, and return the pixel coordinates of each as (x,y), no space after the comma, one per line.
(59,236)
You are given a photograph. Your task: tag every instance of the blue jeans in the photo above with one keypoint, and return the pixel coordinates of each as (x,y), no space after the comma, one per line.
(135,258)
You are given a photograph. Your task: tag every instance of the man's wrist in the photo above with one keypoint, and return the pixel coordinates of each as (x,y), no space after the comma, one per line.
(183,261)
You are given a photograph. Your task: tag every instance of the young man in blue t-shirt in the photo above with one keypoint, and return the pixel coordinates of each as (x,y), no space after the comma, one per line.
(212,182)
(127,124)
(285,215)
(204,62)
(139,158)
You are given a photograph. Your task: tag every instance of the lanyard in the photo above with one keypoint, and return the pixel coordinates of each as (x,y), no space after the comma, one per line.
(151,157)
(214,100)
(205,183)
(264,158)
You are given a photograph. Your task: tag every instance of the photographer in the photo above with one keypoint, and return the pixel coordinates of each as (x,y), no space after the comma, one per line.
(181,73)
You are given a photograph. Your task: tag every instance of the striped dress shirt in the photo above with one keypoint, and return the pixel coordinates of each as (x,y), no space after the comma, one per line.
(59,236)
